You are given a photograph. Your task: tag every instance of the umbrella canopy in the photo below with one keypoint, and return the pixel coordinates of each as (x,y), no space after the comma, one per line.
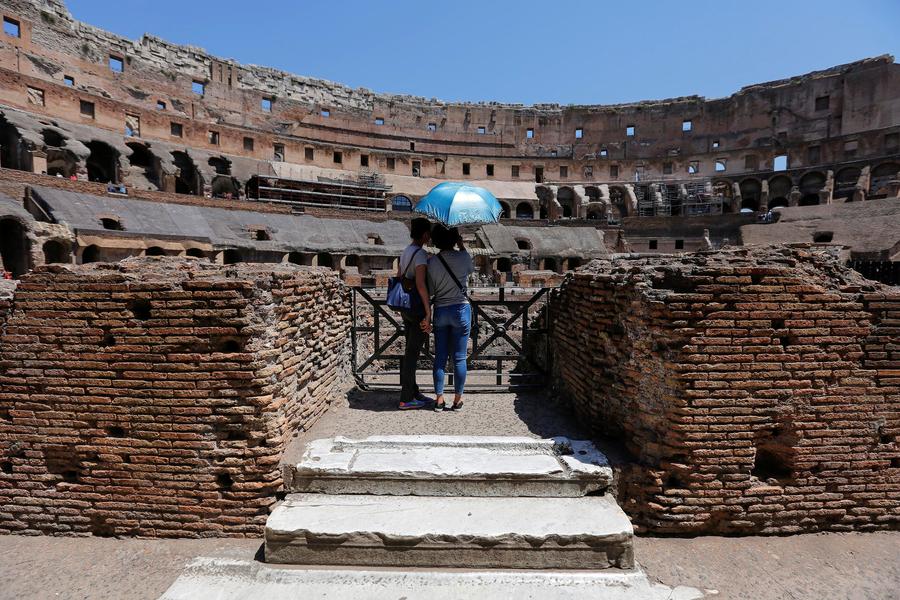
(454,204)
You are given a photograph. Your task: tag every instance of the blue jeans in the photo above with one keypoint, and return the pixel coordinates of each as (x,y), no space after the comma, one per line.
(452,325)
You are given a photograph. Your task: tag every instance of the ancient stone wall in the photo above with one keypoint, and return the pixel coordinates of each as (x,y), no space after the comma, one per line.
(758,391)
(155,397)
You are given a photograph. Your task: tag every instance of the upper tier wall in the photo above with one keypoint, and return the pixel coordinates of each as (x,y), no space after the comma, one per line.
(829,107)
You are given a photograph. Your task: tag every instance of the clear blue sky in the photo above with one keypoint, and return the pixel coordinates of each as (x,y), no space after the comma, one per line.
(528,51)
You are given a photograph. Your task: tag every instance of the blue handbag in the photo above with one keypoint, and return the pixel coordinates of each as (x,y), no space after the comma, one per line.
(404,300)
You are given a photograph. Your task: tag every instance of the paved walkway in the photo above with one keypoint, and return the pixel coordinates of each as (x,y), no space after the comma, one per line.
(854,566)
(826,566)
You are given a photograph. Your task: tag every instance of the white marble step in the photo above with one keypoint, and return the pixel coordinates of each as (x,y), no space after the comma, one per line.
(224,579)
(450,466)
(432,531)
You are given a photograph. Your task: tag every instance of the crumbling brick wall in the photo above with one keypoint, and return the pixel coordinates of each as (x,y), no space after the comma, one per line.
(757,390)
(155,397)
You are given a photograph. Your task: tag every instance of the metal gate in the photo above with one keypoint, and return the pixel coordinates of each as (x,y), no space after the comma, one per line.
(510,326)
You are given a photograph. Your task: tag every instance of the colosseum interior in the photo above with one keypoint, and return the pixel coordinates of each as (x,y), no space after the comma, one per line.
(683,238)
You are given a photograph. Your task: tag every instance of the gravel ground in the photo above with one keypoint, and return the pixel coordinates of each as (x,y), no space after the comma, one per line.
(821,566)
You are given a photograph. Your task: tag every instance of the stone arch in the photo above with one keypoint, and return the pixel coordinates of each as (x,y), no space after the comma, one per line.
(60,160)
(572,263)
(15,249)
(154,251)
(144,161)
(187,177)
(751,193)
(90,254)
(13,151)
(812,183)
(545,198)
(220,164)
(523,244)
(618,199)
(568,202)
(881,177)
(299,258)
(505,212)
(845,181)
(351,260)
(524,210)
(56,252)
(780,187)
(324,259)
(550,264)
(103,162)
(195,253)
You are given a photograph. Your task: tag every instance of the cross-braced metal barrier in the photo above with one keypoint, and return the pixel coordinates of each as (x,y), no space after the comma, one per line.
(509,326)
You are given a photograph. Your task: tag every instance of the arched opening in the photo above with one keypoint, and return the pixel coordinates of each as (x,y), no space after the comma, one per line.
(55,252)
(780,187)
(187,178)
(618,201)
(221,164)
(573,263)
(323,259)
(15,249)
(550,264)
(103,163)
(524,210)
(780,202)
(523,244)
(566,198)
(231,257)
(112,224)
(60,161)
(882,175)
(224,186)
(351,260)
(298,258)
(195,252)
(141,158)
(12,149)
(504,265)
(810,185)
(401,203)
(505,212)
(594,215)
(751,193)
(154,251)
(90,254)
(845,182)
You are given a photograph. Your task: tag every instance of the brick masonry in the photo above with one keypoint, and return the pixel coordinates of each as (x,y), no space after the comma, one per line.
(154,397)
(757,390)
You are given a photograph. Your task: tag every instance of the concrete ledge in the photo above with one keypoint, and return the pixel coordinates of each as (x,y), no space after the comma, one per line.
(404,531)
(221,579)
(451,466)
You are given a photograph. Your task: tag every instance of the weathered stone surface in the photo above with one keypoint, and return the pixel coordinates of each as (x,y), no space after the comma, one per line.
(451,466)
(222,579)
(520,533)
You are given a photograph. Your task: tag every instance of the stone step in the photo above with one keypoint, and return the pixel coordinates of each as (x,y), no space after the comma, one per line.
(226,579)
(450,466)
(430,531)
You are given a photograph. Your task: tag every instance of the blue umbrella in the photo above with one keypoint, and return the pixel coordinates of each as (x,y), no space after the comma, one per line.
(453,204)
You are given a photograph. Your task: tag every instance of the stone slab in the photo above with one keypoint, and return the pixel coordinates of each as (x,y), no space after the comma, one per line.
(223,579)
(451,466)
(431,531)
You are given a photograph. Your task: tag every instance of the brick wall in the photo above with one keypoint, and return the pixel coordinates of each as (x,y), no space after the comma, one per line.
(155,397)
(757,391)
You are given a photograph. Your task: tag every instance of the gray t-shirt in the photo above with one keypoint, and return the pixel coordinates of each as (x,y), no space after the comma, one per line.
(441,285)
(410,263)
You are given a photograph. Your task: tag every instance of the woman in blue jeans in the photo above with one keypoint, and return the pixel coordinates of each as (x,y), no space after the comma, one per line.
(448,273)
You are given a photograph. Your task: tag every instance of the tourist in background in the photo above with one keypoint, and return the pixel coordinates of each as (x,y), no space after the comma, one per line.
(448,273)
(412,270)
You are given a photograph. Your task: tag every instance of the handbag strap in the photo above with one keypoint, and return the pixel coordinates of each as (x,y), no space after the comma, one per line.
(450,272)
(411,259)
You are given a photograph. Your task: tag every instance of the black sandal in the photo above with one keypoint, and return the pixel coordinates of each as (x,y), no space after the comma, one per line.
(457,405)
(441,406)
